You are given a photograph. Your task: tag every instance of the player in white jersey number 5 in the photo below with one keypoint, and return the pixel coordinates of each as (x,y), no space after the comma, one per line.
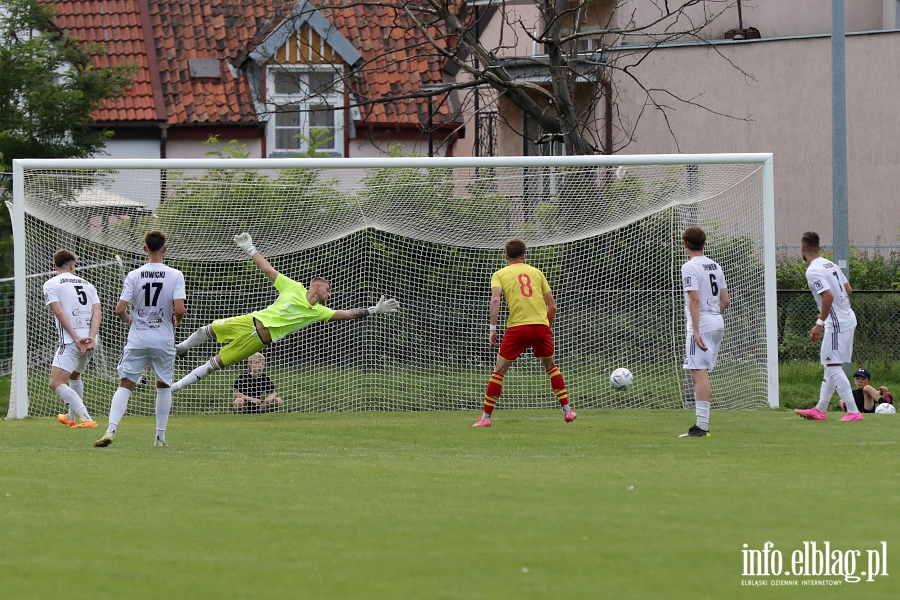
(835,326)
(75,304)
(156,295)
(705,300)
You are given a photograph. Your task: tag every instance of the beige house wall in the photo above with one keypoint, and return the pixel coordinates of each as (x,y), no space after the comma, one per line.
(506,37)
(782,105)
(773,18)
(788,112)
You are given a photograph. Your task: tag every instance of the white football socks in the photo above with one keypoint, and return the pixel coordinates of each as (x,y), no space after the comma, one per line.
(118,408)
(77,386)
(843,387)
(75,404)
(196,375)
(198,337)
(825,393)
(702,409)
(163,406)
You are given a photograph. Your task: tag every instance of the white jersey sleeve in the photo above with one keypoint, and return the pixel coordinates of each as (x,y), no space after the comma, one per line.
(823,275)
(704,276)
(76,297)
(152,290)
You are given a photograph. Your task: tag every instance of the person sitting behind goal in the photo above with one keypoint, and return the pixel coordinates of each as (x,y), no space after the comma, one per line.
(867,397)
(295,308)
(254,392)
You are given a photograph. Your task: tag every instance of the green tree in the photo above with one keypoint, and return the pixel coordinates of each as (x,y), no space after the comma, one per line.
(49,86)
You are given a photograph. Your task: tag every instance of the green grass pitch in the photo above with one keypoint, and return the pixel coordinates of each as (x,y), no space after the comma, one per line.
(421,505)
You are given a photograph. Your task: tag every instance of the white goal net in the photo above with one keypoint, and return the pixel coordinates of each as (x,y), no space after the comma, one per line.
(606,231)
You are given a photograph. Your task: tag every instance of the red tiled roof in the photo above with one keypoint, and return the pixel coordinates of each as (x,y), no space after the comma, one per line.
(218,29)
(395,63)
(226,29)
(117,25)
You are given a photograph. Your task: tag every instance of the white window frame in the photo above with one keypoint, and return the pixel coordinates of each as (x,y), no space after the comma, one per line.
(305,100)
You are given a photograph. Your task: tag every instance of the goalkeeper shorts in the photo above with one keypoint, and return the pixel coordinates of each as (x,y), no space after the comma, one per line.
(520,338)
(242,337)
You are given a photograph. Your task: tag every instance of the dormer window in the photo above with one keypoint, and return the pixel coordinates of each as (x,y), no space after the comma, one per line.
(304,101)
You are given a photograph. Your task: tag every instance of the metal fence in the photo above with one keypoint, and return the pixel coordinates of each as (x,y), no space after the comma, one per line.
(7,322)
(877,340)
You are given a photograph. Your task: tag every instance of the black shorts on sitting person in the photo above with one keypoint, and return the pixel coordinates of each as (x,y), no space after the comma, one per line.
(860,397)
(258,387)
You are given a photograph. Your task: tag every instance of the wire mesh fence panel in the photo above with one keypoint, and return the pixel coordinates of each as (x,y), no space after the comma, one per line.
(877,340)
(6,325)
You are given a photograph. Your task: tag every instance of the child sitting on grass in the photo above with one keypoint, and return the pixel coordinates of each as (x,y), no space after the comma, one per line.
(254,392)
(867,397)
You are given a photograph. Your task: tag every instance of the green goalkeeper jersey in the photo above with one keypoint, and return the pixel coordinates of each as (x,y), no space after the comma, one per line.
(291,311)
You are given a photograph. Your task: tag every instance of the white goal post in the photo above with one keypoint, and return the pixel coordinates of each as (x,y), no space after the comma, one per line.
(428,231)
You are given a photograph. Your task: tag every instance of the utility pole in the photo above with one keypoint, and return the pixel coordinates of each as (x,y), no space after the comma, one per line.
(840,224)
(840,219)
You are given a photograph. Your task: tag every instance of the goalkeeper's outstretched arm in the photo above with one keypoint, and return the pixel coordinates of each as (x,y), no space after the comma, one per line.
(245,242)
(264,266)
(385,305)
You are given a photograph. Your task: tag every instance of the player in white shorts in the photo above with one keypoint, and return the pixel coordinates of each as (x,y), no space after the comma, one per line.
(835,325)
(156,295)
(75,304)
(705,301)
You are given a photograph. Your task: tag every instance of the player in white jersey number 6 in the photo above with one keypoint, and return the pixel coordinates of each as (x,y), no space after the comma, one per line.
(705,301)
(156,295)
(75,304)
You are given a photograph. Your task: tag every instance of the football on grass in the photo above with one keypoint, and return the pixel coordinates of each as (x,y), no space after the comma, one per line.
(885,409)
(621,379)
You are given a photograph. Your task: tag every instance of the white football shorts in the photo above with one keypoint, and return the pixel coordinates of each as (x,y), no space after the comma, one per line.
(695,358)
(135,360)
(69,358)
(837,347)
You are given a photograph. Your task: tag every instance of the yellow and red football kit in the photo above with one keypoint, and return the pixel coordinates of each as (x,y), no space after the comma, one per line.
(523,288)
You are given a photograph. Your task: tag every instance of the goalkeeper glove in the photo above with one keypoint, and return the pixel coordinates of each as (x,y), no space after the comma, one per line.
(385,305)
(246,243)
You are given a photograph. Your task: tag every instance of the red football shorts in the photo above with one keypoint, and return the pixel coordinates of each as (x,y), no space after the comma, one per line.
(518,339)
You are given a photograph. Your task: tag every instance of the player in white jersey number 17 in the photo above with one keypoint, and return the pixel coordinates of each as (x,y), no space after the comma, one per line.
(156,294)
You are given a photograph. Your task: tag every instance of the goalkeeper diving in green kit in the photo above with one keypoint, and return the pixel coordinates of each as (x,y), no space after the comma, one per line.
(295,308)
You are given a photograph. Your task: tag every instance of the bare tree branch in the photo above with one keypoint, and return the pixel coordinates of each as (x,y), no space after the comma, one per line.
(562,92)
